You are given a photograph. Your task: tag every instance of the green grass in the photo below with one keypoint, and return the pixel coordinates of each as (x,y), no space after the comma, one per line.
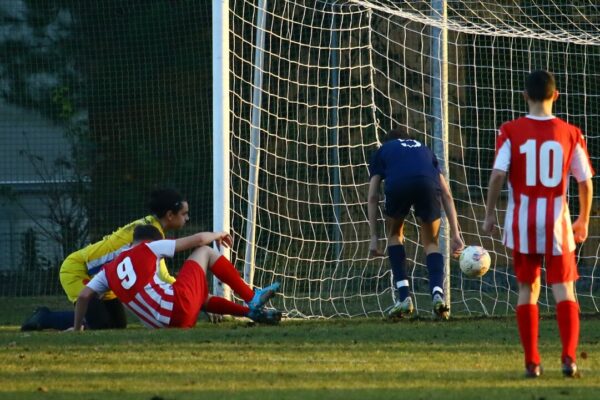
(336,359)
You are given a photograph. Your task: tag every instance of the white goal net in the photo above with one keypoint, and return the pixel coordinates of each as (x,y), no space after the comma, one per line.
(313,86)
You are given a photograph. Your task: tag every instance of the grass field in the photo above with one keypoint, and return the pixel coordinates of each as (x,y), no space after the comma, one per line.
(337,359)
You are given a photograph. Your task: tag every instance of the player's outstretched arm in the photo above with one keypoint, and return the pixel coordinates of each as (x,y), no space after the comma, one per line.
(456,242)
(495,186)
(373,213)
(81,307)
(203,239)
(580,226)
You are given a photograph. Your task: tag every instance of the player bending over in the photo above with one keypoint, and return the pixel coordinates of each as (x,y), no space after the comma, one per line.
(133,277)
(537,152)
(412,179)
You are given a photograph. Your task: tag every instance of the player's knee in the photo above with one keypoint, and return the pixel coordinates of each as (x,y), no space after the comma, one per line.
(563,291)
(431,248)
(203,255)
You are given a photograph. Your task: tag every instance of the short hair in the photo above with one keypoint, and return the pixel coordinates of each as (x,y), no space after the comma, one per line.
(165,200)
(540,85)
(396,133)
(146,232)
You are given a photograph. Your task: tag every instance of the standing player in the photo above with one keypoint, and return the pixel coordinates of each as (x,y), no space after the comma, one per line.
(537,152)
(412,179)
(133,277)
(170,211)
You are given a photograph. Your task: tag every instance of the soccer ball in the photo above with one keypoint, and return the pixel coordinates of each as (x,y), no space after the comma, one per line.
(474,261)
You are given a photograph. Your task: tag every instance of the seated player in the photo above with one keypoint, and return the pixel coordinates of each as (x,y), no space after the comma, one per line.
(412,179)
(170,211)
(133,277)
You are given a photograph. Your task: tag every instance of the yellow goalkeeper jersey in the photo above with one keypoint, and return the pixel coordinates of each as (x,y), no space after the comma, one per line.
(95,255)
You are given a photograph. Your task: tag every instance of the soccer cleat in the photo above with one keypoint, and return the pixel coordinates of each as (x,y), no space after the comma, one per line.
(440,309)
(34,322)
(402,308)
(533,370)
(569,368)
(265,316)
(261,296)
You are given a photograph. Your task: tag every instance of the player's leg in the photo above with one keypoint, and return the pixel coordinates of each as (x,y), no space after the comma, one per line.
(97,315)
(398,201)
(397,258)
(561,275)
(528,269)
(219,305)
(190,291)
(116,313)
(435,266)
(72,277)
(226,272)
(428,208)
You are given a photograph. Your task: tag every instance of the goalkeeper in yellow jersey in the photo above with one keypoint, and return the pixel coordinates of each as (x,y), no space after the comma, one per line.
(170,211)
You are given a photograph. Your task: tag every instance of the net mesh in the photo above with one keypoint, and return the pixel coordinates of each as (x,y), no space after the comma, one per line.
(314,85)
(100,103)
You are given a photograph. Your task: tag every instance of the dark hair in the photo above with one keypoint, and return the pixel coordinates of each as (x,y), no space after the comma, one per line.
(164,200)
(146,232)
(540,85)
(396,133)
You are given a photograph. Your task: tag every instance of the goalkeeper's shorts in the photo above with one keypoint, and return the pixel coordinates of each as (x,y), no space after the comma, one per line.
(73,278)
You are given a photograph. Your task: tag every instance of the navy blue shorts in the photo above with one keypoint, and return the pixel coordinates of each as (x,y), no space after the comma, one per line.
(424,195)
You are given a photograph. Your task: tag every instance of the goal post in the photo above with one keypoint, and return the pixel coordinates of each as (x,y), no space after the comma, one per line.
(221,128)
(312,87)
(439,111)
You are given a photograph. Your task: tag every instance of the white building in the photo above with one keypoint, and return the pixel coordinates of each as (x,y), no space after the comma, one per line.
(24,132)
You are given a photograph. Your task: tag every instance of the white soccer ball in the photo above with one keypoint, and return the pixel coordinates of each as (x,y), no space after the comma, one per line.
(474,261)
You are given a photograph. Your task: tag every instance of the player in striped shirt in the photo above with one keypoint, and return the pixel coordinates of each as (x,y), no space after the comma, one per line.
(133,277)
(537,153)
(412,179)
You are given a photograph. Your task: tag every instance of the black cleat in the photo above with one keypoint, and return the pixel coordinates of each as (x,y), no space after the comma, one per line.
(34,322)
(533,370)
(265,316)
(569,368)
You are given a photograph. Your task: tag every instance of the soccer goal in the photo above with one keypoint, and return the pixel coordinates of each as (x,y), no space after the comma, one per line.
(303,92)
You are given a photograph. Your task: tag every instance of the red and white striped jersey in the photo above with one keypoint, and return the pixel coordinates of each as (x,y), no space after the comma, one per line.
(133,277)
(538,153)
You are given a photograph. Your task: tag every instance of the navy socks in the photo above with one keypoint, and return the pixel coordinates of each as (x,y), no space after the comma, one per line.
(397,257)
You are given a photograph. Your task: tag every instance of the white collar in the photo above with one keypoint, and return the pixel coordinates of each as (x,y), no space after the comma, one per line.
(546,118)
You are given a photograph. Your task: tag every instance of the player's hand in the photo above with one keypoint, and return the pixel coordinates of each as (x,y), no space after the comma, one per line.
(374,251)
(213,318)
(489,224)
(456,246)
(580,230)
(224,239)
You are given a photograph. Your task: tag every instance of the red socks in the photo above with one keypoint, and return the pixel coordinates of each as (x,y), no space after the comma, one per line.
(219,305)
(226,272)
(528,323)
(567,316)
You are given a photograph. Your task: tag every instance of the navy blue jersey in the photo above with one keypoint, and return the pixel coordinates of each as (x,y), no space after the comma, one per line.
(402,160)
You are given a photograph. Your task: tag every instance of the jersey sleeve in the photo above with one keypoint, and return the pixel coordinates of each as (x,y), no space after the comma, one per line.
(581,165)
(162,248)
(503,151)
(99,283)
(377,166)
